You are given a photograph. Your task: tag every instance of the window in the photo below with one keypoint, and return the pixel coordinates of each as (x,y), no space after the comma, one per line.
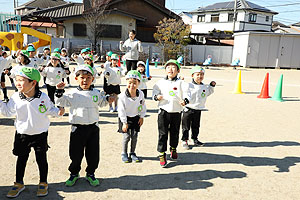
(230,17)
(267,18)
(201,18)
(215,18)
(79,29)
(252,17)
(110,31)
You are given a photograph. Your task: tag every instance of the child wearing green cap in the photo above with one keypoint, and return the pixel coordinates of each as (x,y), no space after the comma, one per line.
(65,60)
(54,72)
(172,94)
(35,60)
(131,113)
(192,111)
(84,102)
(113,74)
(31,108)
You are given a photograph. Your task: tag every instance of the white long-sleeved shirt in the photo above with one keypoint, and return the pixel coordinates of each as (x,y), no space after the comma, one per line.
(143,85)
(54,75)
(173,91)
(31,113)
(132,48)
(65,61)
(113,74)
(79,60)
(6,63)
(84,105)
(199,94)
(131,107)
(36,62)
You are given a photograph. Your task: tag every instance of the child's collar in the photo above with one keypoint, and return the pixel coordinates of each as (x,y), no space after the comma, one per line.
(173,79)
(37,94)
(196,83)
(128,94)
(80,89)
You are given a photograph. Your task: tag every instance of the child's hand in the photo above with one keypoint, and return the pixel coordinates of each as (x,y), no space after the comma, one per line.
(181,77)
(111,99)
(141,121)
(42,68)
(213,83)
(159,97)
(60,85)
(61,111)
(182,103)
(6,71)
(125,127)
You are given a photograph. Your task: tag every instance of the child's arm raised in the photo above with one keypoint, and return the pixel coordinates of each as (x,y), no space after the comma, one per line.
(104,99)
(8,109)
(156,94)
(61,99)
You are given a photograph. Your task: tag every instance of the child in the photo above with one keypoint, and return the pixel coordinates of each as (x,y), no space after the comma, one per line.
(172,93)
(80,59)
(84,116)
(113,75)
(142,86)
(35,61)
(64,59)
(192,112)
(54,73)
(5,67)
(131,112)
(31,107)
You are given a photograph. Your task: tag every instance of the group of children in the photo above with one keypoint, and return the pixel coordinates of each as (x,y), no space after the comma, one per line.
(31,107)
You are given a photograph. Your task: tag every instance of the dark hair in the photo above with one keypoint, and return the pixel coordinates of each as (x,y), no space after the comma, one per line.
(36,88)
(133,31)
(82,72)
(26,60)
(4,53)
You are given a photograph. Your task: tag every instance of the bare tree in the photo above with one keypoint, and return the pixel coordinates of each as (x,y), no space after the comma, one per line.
(94,17)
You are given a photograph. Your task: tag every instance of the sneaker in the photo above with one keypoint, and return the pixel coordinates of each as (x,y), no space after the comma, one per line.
(15,190)
(111,109)
(116,109)
(125,158)
(42,189)
(198,143)
(5,100)
(185,144)
(72,180)
(163,160)
(134,158)
(174,154)
(92,180)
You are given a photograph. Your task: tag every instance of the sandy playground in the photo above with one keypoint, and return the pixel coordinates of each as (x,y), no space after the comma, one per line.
(252,148)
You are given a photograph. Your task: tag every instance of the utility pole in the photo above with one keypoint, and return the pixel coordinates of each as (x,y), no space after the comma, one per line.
(234,14)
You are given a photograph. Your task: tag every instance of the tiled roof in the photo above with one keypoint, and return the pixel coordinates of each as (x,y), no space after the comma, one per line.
(42,3)
(229,5)
(62,11)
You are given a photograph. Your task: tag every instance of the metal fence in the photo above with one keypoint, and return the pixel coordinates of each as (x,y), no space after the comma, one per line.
(10,22)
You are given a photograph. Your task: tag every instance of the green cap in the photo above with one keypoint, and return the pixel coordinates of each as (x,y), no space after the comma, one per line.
(197,69)
(88,49)
(57,50)
(89,56)
(30,48)
(55,56)
(109,53)
(174,62)
(24,53)
(85,67)
(30,73)
(134,74)
(114,57)
(83,51)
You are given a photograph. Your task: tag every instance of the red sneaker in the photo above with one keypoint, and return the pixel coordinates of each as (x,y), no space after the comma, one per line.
(174,154)
(163,160)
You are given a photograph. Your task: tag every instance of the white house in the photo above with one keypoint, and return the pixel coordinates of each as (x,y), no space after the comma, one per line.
(186,17)
(219,16)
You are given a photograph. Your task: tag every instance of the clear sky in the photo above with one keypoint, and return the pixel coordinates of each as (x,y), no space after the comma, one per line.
(289,11)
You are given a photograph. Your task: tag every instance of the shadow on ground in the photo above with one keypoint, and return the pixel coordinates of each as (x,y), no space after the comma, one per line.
(182,180)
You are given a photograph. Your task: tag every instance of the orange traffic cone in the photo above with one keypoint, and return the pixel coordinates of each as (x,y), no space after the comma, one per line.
(119,62)
(264,94)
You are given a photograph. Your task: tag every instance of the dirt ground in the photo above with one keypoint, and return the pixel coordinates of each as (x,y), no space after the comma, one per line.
(251,148)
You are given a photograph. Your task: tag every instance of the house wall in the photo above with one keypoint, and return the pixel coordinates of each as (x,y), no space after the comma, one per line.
(242,23)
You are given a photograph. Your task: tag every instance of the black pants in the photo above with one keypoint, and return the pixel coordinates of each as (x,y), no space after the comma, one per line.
(168,122)
(191,119)
(22,148)
(68,80)
(51,92)
(131,65)
(84,140)
(145,93)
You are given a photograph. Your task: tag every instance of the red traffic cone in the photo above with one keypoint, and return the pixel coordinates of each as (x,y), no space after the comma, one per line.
(119,62)
(264,94)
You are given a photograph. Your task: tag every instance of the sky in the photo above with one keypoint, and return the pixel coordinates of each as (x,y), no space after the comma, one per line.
(289,11)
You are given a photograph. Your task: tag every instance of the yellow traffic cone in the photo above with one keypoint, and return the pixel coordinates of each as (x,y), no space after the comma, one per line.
(238,84)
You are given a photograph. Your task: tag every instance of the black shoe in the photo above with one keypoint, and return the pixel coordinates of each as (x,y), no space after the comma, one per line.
(5,100)
(198,143)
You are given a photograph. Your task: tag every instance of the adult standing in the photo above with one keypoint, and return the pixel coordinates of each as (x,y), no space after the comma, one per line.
(132,46)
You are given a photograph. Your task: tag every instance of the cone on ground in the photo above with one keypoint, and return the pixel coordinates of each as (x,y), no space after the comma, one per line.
(264,94)
(238,84)
(119,62)
(278,92)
